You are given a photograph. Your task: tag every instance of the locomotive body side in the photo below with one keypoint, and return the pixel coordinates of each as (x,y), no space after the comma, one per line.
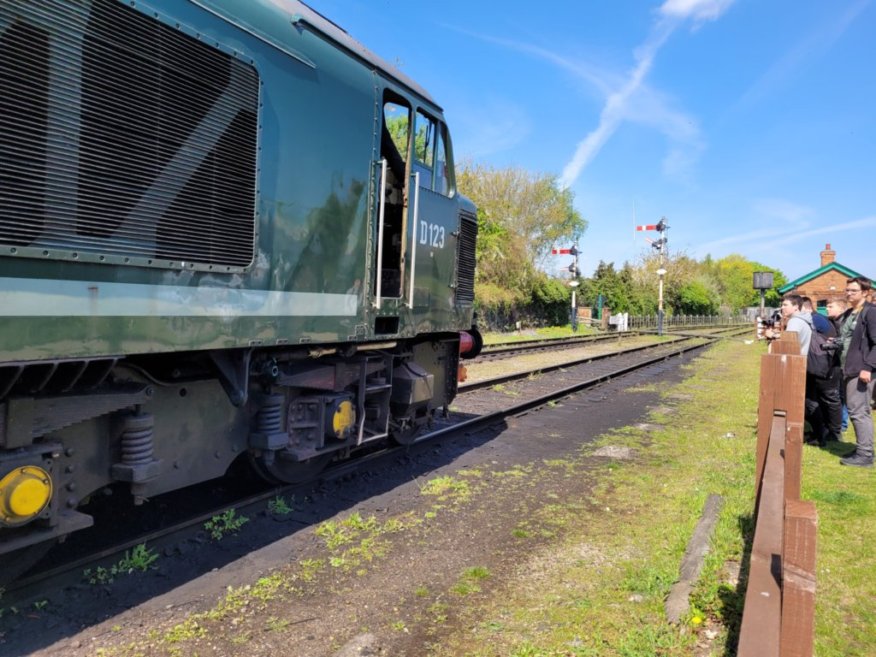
(211,246)
(297,164)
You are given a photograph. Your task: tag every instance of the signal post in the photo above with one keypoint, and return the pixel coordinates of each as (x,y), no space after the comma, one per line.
(573,269)
(660,245)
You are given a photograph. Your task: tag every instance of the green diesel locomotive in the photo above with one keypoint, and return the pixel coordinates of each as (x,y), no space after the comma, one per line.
(227,230)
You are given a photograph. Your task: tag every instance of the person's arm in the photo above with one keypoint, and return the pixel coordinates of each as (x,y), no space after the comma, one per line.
(868,337)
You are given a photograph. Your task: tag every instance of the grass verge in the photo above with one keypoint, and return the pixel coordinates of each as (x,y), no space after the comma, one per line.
(599,589)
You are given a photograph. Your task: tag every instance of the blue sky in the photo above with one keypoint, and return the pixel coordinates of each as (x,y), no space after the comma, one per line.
(749,124)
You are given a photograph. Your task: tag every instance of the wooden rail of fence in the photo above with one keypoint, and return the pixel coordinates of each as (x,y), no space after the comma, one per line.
(779,613)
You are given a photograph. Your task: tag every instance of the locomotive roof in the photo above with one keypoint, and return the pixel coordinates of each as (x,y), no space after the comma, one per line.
(269,20)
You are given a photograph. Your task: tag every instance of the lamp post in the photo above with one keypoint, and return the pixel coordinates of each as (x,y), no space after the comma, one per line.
(661,273)
(573,285)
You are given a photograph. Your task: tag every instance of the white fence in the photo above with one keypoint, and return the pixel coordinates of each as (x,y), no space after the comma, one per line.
(627,322)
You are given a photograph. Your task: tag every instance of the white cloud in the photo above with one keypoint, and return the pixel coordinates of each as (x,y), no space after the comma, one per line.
(682,131)
(786,211)
(619,105)
(598,78)
(857,224)
(698,10)
(764,239)
(616,106)
(627,97)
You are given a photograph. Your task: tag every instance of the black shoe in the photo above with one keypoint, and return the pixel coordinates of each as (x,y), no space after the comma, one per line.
(858,460)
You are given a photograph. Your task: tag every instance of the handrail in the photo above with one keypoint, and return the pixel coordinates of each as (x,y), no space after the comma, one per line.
(416,225)
(380,215)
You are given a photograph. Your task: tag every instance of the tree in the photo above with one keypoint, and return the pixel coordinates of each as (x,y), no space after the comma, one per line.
(615,290)
(735,275)
(529,210)
(697,298)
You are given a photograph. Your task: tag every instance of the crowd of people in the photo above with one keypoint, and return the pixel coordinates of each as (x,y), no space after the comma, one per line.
(841,358)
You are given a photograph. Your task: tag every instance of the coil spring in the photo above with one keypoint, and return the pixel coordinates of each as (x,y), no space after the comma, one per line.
(137,444)
(270,417)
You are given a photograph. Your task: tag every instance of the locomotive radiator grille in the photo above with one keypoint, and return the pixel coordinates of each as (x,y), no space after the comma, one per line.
(123,139)
(468,233)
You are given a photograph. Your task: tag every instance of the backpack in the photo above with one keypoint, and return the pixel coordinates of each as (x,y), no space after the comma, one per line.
(819,361)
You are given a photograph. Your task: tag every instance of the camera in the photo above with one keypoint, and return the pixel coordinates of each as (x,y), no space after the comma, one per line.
(773,321)
(832,345)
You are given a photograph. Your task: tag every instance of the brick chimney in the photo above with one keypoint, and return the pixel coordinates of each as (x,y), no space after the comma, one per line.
(828,255)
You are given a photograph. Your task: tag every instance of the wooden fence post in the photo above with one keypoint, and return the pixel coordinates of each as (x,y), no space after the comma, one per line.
(798,579)
(783,391)
(778,615)
(762,612)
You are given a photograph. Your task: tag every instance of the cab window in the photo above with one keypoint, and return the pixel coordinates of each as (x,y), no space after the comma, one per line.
(424,143)
(442,163)
(430,154)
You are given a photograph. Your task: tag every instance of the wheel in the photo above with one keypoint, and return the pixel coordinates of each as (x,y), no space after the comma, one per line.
(279,470)
(16,563)
(403,431)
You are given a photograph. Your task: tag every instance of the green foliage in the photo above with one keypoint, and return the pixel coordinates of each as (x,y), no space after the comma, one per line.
(398,130)
(614,288)
(531,209)
(469,581)
(691,287)
(520,216)
(139,559)
(695,298)
(335,534)
(490,295)
(551,299)
(447,488)
(734,275)
(279,507)
(224,524)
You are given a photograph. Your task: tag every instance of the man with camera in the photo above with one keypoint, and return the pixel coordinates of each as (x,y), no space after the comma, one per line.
(795,320)
(857,335)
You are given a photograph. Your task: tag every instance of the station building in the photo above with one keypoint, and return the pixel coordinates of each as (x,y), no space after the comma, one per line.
(820,285)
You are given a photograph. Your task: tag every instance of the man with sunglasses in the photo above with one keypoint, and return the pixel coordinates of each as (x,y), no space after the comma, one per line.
(858,359)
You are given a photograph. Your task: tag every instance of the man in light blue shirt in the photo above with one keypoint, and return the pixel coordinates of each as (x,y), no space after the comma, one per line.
(797,320)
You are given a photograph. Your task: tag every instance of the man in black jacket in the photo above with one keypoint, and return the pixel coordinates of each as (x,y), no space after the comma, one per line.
(858,358)
(824,406)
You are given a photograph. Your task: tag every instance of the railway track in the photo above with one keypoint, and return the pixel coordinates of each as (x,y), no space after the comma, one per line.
(502,350)
(479,405)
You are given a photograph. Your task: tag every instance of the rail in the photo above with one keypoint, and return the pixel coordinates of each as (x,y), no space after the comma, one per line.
(778,616)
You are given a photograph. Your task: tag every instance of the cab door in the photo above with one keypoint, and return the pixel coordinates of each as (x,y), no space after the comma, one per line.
(434,220)
(393,196)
